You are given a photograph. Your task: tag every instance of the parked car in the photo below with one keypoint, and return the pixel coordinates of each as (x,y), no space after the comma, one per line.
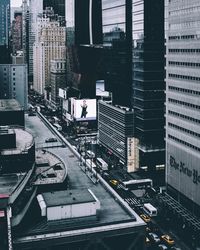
(167,239)
(52,139)
(154,238)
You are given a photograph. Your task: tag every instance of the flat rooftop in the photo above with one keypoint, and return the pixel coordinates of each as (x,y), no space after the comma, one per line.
(67,197)
(50,169)
(112,212)
(10,105)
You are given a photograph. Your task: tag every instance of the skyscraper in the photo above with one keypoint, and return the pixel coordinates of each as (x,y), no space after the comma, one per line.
(35,9)
(84,32)
(148,79)
(183,102)
(50,44)
(117,22)
(4,22)
(133,38)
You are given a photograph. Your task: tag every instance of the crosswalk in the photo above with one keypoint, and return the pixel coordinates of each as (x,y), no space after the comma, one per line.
(132,201)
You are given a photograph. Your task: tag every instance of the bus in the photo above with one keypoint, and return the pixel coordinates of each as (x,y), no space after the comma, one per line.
(102,164)
(137,184)
(150,209)
(57,126)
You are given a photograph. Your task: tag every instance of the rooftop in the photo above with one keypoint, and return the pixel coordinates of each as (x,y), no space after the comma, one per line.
(67,197)
(10,105)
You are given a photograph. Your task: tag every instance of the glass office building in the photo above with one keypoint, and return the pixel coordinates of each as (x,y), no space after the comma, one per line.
(116,18)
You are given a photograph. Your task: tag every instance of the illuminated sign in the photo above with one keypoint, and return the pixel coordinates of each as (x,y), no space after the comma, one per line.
(84,110)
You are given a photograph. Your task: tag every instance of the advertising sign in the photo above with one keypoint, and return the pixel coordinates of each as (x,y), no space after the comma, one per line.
(62,93)
(84,109)
(132,154)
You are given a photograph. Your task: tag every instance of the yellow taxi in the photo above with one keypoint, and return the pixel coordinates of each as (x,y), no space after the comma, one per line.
(114,182)
(145,217)
(167,239)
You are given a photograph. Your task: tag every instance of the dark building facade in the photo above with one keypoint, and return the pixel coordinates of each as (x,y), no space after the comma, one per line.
(84,33)
(148,79)
(116,133)
(133,39)
(58,6)
(116,21)
(16,32)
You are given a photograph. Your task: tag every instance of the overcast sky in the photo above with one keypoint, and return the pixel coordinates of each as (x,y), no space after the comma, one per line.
(16,3)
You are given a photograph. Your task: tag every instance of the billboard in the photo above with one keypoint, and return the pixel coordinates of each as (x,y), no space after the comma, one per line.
(62,93)
(84,109)
(132,154)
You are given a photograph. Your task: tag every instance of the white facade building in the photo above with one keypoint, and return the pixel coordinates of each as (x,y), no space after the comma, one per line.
(49,45)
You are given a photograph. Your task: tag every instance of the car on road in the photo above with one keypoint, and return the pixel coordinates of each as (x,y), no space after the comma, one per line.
(52,139)
(114,182)
(145,217)
(167,239)
(154,238)
(162,247)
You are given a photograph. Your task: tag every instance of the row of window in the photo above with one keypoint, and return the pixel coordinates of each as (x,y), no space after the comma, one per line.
(186,64)
(190,78)
(185,25)
(184,116)
(184,130)
(184,50)
(185,11)
(189,91)
(185,37)
(190,105)
(183,142)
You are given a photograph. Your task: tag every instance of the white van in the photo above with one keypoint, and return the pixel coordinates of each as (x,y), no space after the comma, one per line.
(150,209)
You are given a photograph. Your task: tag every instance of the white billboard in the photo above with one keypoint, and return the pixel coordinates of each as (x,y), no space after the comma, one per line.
(132,154)
(84,109)
(62,93)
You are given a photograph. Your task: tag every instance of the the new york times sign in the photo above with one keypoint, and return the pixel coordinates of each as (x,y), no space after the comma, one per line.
(180,166)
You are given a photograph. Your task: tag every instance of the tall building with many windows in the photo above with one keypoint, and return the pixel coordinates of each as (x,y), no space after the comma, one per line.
(50,44)
(133,39)
(183,102)
(148,79)
(4,22)
(35,9)
(14,83)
